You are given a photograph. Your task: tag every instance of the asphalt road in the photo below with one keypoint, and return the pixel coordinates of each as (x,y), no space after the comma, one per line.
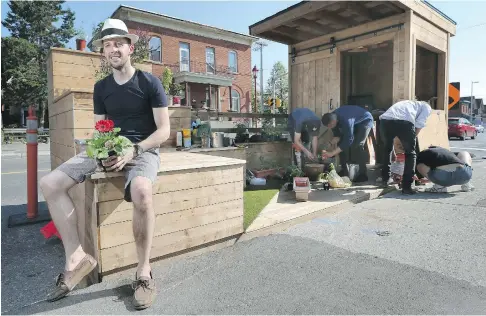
(394,255)
(14,179)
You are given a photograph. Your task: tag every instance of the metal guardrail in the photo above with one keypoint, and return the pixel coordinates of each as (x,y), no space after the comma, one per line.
(10,135)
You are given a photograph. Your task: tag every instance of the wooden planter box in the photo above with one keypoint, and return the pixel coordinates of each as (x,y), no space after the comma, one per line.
(198,199)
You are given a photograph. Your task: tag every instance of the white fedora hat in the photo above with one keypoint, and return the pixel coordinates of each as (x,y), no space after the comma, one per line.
(114,28)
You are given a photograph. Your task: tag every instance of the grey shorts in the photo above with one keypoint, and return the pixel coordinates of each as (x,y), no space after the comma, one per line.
(145,165)
(460,176)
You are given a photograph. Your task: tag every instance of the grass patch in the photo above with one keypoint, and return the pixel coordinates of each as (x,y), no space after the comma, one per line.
(254,202)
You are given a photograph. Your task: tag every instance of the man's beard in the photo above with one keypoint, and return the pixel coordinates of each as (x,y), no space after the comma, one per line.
(120,66)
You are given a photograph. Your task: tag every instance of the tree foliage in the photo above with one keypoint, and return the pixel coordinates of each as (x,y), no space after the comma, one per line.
(22,78)
(279,75)
(35,25)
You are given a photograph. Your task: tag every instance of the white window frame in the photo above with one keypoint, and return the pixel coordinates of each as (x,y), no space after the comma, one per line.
(235,101)
(235,70)
(210,67)
(185,47)
(160,48)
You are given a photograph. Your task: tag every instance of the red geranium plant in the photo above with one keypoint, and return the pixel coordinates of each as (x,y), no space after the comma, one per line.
(106,142)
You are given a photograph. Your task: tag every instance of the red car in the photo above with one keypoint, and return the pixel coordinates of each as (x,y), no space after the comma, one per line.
(462,128)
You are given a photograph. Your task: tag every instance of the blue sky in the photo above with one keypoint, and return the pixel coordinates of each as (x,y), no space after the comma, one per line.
(468,47)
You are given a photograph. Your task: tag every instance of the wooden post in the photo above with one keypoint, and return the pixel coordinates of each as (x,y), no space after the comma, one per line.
(218,96)
(188,102)
(231,99)
(210,99)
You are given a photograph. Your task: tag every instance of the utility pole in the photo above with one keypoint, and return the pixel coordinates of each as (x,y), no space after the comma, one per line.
(259,47)
(472,84)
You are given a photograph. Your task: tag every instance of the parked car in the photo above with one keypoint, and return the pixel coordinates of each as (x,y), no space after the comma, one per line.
(480,128)
(462,128)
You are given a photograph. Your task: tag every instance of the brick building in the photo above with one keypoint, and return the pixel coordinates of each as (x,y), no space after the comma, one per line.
(212,64)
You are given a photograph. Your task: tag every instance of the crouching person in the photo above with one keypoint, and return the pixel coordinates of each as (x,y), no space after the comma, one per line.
(443,168)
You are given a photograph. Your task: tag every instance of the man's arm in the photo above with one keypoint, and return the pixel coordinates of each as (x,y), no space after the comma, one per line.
(422,116)
(314,145)
(346,140)
(161,117)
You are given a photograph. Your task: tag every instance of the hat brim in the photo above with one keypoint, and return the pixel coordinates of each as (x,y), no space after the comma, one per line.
(99,42)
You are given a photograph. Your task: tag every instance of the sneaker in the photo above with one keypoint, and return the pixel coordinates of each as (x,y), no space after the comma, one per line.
(436,189)
(467,187)
(145,292)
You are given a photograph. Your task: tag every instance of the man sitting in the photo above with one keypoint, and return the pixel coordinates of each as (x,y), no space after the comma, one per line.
(351,125)
(443,168)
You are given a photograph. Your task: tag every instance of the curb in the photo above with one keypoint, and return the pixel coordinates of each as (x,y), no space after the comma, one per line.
(282,226)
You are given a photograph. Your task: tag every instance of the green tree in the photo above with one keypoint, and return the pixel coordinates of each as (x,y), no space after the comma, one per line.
(279,75)
(38,23)
(22,77)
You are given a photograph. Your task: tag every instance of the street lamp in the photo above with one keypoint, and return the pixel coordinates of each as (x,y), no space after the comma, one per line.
(255,74)
(472,84)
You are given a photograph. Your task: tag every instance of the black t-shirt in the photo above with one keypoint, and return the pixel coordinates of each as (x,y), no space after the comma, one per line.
(130,105)
(434,157)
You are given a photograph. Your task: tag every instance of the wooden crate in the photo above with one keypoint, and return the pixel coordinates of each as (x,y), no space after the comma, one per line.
(198,200)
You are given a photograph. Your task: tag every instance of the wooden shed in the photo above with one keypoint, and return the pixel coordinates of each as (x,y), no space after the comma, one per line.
(371,53)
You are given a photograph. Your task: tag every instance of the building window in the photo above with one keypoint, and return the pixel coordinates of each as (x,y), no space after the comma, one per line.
(235,99)
(210,60)
(155,47)
(233,61)
(184,57)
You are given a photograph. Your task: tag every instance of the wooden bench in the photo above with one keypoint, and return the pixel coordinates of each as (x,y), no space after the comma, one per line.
(198,201)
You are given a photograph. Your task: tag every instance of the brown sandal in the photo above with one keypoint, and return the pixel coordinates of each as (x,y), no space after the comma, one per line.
(66,281)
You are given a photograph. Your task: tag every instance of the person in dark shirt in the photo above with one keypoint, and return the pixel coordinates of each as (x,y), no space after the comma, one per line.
(137,103)
(304,126)
(444,168)
(351,126)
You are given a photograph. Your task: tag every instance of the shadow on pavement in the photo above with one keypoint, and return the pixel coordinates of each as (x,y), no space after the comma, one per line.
(123,293)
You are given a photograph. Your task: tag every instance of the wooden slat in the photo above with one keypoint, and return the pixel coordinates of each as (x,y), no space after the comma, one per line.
(61,151)
(420,8)
(320,86)
(62,136)
(363,28)
(124,255)
(63,105)
(121,233)
(289,16)
(175,181)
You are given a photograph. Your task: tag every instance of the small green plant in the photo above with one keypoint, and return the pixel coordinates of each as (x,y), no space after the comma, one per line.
(240,128)
(81,34)
(166,79)
(175,89)
(204,130)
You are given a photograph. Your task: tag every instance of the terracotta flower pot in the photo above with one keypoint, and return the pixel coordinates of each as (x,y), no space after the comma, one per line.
(80,44)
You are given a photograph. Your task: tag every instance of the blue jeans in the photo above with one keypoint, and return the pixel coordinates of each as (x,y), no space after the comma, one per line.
(460,176)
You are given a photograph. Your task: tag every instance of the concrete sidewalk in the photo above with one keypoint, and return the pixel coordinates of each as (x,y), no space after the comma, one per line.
(20,150)
(393,255)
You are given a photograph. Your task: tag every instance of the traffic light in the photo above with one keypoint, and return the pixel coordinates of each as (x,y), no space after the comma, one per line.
(278,102)
(270,102)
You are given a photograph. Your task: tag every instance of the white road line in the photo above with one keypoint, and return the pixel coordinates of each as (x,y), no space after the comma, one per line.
(466,148)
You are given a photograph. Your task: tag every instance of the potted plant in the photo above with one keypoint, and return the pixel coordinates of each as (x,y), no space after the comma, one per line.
(267,168)
(80,40)
(106,143)
(292,172)
(175,91)
(166,79)
(204,132)
(241,135)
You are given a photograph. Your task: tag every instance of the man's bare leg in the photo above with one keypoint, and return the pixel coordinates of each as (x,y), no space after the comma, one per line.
(423,169)
(55,186)
(143,222)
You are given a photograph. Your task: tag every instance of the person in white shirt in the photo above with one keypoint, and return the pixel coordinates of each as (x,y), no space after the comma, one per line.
(404,120)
